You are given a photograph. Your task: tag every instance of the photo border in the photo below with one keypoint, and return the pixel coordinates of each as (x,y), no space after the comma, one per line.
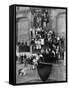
(38,6)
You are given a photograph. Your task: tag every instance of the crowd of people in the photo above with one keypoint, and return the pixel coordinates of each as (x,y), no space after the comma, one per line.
(51,50)
(23,47)
(49,41)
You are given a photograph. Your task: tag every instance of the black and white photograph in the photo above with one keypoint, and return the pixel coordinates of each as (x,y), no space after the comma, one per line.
(41,44)
(34,44)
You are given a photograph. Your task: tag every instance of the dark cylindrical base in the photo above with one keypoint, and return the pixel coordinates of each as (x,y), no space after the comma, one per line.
(44,70)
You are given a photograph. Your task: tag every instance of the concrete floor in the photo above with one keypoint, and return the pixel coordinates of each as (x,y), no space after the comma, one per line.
(58,73)
(31,75)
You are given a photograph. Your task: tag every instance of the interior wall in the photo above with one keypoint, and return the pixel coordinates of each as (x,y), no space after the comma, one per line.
(23,24)
(61,24)
(23,30)
(55,14)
